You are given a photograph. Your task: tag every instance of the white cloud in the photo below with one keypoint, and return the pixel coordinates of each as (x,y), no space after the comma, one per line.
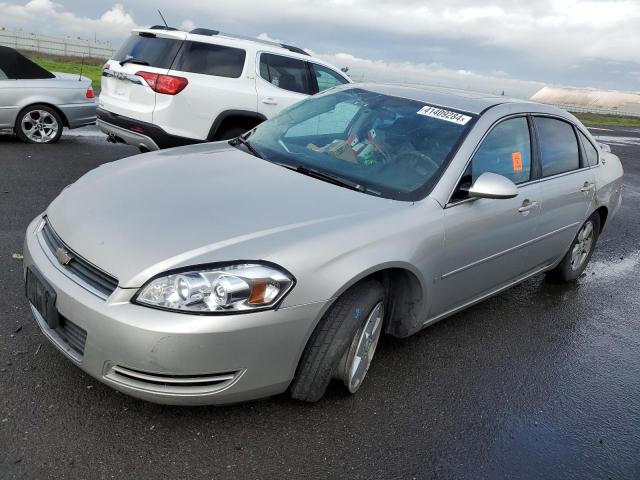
(552,35)
(362,69)
(45,16)
(187,25)
(265,36)
(551,30)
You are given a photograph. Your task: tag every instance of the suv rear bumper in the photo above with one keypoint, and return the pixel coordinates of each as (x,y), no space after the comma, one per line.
(140,134)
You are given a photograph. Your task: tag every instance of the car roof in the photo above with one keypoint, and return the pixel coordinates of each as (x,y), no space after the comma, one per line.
(463,100)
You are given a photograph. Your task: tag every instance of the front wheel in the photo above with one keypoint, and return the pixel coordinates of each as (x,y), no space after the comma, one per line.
(343,344)
(580,251)
(39,124)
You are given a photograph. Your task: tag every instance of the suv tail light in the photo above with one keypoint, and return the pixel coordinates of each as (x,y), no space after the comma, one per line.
(90,93)
(167,84)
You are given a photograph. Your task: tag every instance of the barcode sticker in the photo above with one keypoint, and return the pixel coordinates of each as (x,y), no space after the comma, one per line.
(446,115)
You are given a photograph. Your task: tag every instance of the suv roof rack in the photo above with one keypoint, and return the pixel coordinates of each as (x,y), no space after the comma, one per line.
(209,32)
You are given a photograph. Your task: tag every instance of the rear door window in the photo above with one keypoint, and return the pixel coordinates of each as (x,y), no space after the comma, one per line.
(3,76)
(590,151)
(558,146)
(326,78)
(209,59)
(286,73)
(157,52)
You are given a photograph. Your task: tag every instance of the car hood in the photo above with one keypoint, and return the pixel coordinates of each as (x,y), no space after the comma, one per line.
(144,215)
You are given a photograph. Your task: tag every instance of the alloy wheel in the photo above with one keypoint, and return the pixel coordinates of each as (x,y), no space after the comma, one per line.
(583,246)
(357,359)
(39,126)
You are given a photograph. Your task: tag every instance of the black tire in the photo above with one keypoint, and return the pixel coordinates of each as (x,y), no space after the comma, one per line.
(331,339)
(228,133)
(44,124)
(567,271)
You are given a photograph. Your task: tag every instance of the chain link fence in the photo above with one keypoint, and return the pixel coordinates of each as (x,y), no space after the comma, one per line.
(64,47)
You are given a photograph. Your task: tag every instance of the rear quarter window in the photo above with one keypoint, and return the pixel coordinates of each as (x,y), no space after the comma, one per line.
(156,51)
(589,150)
(558,146)
(325,78)
(209,59)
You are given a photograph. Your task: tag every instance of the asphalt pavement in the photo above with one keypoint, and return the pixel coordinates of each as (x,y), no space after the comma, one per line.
(540,382)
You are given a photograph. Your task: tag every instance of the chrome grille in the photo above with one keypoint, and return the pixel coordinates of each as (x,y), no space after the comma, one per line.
(78,268)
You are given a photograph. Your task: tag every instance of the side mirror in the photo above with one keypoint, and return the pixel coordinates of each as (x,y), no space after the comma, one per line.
(492,185)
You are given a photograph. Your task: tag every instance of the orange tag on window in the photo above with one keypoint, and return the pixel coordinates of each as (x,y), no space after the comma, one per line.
(516,157)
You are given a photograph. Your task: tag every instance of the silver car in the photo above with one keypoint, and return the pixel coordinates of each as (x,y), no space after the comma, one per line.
(36,104)
(229,271)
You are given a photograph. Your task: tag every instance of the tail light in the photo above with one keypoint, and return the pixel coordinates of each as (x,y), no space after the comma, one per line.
(90,93)
(167,84)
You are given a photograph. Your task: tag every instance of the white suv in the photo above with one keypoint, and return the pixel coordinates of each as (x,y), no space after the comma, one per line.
(166,87)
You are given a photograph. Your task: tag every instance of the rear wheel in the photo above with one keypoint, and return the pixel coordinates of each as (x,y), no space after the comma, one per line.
(580,251)
(39,124)
(343,344)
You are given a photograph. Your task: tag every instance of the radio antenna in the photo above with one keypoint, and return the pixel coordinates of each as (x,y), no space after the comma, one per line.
(81,69)
(162,17)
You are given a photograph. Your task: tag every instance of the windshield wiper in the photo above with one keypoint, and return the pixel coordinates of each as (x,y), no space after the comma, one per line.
(327,177)
(245,143)
(133,60)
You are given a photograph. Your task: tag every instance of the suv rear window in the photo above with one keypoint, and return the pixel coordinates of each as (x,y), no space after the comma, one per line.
(208,59)
(156,51)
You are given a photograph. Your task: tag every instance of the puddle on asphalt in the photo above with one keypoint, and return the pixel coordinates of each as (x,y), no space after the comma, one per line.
(605,270)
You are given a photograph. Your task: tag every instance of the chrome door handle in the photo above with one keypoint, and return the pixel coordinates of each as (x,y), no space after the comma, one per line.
(527,206)
(587,186)
(269,101)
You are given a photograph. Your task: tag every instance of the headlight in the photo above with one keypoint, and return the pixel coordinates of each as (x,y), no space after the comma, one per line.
(224,289)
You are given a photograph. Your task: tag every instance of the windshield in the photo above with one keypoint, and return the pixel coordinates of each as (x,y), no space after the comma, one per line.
(392,147)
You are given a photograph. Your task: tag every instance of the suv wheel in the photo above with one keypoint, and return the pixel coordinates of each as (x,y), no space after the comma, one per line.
(39,124)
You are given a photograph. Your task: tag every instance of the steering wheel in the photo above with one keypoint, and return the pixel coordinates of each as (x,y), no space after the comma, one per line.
(416,157)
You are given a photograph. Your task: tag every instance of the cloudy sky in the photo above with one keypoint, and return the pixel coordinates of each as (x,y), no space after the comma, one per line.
(491,45)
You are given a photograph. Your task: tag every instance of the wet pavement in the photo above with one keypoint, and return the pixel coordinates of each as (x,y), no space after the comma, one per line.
(542,381)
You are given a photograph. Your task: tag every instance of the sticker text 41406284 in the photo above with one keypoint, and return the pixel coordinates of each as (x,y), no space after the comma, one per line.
(446,115)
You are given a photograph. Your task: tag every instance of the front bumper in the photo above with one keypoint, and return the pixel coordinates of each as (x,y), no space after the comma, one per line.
(174,358)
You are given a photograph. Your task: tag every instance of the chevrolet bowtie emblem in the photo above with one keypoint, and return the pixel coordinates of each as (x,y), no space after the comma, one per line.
(63,256)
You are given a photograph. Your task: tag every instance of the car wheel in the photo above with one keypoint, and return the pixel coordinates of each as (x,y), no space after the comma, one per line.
(343,344)
(230,132)
(580,251)
(39,124)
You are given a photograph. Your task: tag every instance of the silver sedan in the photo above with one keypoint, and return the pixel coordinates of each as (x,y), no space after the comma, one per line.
(36,104)
(229,271)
